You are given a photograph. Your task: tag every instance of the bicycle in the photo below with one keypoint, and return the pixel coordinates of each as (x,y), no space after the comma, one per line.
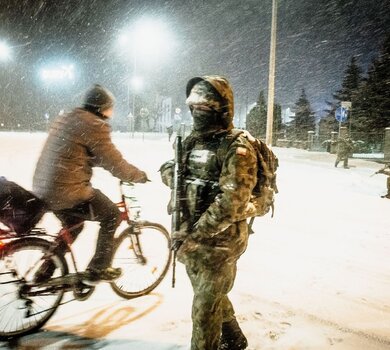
(142,250)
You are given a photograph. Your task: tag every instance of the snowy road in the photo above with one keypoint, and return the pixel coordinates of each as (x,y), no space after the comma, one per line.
(314,277)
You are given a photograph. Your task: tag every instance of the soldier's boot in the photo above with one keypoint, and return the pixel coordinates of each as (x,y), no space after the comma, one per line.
(232,337)
(336,164)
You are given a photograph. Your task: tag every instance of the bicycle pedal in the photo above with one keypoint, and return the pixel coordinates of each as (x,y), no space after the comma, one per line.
(90,283)
(81,291)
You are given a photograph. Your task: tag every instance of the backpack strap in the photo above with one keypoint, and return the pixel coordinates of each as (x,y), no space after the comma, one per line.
(226,143)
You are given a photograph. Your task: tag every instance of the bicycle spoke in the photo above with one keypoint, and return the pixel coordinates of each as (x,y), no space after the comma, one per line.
(24,306)
(144,258)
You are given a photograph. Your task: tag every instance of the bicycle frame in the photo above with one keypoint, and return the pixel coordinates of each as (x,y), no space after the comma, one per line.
(124,209)
(122,205)
(65,233)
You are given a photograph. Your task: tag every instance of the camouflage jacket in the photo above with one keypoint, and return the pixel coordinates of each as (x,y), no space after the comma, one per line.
(217,192)
(344,147)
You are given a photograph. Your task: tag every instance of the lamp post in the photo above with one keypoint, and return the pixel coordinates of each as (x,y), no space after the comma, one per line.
(147,39)
(271,77)
(47,117)
(136,84)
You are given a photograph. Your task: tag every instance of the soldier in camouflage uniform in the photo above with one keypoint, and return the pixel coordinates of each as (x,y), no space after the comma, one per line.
(344,151)
(213,231)
(386,171)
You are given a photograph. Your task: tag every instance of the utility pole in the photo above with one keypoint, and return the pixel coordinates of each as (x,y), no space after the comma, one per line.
(271,77)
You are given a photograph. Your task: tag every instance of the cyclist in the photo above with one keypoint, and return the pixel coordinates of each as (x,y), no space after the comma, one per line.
(77,142)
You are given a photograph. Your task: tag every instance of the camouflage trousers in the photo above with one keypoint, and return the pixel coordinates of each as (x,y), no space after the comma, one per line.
(343,158)
(211,305)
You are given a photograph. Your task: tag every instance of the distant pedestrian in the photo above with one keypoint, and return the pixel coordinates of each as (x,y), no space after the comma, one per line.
(344,151)
(170,132)
(176,122)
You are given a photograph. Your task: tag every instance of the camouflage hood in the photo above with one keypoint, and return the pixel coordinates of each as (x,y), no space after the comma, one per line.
(222,86)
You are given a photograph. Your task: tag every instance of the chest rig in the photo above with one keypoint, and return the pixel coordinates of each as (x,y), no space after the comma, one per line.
(202,168)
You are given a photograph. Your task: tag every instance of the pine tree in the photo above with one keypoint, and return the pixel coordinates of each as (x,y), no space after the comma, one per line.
(304,119)
(373,98)
(349,90)
(256,121)
(351,82)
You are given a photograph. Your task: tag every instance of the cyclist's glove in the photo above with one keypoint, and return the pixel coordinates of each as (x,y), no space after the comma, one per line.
(141,178)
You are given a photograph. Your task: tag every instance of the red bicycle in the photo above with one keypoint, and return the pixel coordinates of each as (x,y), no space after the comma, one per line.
(141,250)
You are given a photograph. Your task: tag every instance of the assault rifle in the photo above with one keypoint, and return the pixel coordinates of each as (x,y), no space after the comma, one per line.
(176,201)
(380,171)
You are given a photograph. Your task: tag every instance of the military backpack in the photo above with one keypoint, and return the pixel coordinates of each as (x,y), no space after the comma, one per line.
(263,194)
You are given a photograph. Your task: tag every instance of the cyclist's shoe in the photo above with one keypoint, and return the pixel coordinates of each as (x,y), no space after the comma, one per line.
(107,274)
(45,272)
(232,337)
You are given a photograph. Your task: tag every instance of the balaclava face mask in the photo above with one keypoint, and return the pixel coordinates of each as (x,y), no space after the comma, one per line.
(206,107)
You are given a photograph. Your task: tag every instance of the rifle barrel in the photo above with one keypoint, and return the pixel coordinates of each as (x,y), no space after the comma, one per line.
(177,187)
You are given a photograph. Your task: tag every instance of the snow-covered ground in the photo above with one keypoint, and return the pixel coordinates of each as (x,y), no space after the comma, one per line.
(314,277)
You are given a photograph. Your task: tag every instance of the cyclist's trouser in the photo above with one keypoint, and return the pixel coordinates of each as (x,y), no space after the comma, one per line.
(100,208)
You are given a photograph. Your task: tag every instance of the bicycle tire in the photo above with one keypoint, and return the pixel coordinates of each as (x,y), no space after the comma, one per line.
(25,308)
(141,277)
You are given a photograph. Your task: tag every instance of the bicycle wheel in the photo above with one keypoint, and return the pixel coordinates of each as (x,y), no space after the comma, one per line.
(143,253)
(26,306)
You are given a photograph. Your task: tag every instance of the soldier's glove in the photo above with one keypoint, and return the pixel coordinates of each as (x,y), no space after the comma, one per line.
(178,237)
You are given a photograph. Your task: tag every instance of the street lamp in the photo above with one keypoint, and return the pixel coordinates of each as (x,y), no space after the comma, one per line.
(58,73)
(147,39)
(47,117)
(5,51)
(54,76)
(136,83)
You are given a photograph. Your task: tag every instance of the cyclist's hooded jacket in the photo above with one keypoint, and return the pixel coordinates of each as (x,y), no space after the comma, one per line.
(77,142)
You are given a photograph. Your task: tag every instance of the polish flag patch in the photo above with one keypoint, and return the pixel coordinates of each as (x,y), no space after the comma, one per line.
(242,151)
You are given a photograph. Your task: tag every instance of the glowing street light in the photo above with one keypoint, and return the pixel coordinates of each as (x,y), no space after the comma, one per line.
(149,40)
(137,83)
(58,74)
(5,51)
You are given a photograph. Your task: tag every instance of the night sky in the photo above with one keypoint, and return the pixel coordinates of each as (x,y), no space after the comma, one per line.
(315,42)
